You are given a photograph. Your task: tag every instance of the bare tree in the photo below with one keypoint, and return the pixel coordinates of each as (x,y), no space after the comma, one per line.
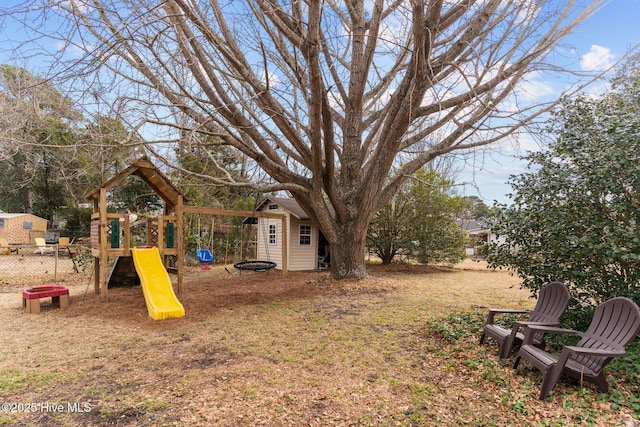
(49,154)
(337,102)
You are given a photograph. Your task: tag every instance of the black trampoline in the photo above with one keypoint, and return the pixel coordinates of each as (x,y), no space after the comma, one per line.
(255,265)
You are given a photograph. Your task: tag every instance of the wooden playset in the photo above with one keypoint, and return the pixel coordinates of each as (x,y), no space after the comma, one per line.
(110,232)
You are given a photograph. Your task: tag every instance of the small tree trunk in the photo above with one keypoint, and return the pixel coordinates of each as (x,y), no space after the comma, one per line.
(28,202)
(347,254)
(387,257)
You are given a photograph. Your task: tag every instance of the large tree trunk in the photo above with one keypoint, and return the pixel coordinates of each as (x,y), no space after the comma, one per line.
(347,253)
(344,224)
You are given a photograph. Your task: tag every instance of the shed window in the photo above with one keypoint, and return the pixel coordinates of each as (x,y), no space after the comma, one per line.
(272,234)
(1,222)
(27,225)
(305,235)
(273,207)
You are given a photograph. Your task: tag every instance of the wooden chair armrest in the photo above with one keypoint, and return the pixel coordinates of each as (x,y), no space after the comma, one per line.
(595,351)
(568,350)
(528,337)
(494,311)
(525,323)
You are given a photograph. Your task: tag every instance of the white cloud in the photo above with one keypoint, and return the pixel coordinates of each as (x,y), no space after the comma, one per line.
(519,145)
(271,78)
(599,58)
(80,5)
(532,87)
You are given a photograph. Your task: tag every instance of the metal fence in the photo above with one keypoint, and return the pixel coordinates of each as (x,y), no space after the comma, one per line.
(27,265)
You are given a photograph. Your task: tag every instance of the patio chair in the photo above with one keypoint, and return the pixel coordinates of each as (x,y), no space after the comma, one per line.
(5,248)
(63,244)
(553,301)
(614,324)
(42,245)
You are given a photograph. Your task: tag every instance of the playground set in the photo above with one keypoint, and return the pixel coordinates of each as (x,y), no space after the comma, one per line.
(164,250)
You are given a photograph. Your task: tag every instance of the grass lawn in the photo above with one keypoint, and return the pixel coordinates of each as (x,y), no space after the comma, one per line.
(256,349)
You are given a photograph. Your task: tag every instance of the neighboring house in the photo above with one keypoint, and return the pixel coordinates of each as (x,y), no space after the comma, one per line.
(22,228)
(478,235)
(306,243)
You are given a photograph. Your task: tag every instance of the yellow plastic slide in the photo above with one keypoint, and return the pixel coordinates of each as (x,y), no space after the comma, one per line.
(156,284)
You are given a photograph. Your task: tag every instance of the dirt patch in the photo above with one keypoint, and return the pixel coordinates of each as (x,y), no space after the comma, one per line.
(203,294)
(206,292)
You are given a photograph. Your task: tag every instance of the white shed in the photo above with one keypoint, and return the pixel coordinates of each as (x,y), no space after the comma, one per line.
(306,242)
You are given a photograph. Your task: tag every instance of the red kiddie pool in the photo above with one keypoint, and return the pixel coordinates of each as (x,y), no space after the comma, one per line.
(31,297)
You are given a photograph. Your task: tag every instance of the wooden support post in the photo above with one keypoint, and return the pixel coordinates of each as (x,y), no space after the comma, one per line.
(160,236)
(127,235)
(103,273)
(180,240)
(285,246)
(95,244)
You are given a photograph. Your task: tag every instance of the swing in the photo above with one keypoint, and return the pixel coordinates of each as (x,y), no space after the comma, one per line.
(204,255)
(256,265)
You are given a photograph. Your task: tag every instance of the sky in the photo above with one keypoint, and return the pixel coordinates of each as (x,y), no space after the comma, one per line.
(597,44)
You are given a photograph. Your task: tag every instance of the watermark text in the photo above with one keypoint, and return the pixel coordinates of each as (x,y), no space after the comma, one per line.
(51,407)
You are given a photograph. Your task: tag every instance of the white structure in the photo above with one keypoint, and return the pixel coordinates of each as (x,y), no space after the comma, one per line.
(478,236)
(305,241)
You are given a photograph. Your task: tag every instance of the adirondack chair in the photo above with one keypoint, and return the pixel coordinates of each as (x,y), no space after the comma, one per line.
(615,323)
(553,301)
(42,245)
(63,244)
(5,248)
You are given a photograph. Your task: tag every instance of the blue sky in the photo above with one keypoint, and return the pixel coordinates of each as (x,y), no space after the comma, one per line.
(596,45)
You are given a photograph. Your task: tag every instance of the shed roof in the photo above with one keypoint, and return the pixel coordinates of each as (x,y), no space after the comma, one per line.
(151,175)
(290,205)
(16,215)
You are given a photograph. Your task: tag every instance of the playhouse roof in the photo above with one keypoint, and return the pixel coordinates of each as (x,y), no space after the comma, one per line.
(151,175)
(290,205)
